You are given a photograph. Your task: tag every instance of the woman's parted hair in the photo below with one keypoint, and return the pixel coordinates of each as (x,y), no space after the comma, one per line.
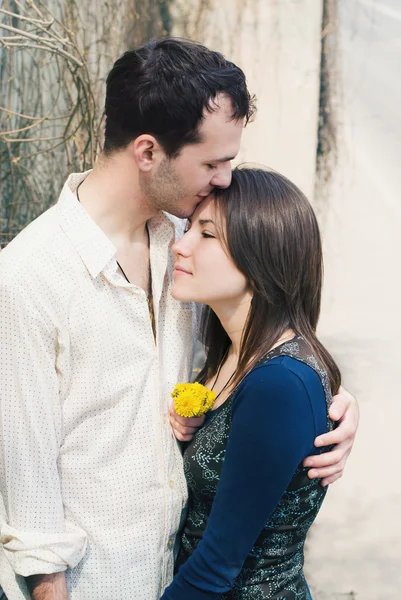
(271,232)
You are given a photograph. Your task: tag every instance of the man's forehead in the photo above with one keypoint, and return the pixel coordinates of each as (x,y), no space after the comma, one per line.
(219,122)
(220,144)
(221,103)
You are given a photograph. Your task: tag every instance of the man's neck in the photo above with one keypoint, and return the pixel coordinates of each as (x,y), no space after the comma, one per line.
(111,196)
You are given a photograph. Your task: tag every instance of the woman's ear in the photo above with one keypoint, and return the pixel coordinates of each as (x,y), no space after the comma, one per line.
(146,151)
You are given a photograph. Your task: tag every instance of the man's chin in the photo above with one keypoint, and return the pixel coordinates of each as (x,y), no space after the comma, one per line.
(181,214)
(185,213)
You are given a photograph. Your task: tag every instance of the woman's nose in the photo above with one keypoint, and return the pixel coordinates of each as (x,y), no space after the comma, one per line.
(180,246)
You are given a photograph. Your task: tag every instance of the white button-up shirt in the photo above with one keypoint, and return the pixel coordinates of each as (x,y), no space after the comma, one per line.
(91,475)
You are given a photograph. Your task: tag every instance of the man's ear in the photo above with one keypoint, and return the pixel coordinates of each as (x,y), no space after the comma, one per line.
(146,151)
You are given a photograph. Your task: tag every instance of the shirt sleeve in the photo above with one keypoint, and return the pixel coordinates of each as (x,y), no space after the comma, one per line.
(34,534)
(272,430)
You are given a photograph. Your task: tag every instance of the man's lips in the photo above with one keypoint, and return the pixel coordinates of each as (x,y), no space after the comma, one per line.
(204,195)
(181,271)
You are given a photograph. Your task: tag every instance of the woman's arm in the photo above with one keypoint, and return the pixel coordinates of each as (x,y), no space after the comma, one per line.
(272,430)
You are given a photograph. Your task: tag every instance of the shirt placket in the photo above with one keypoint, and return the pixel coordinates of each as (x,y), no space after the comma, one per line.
(175,494)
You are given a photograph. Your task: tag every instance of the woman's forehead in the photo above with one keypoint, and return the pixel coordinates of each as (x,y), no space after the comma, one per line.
(204,210)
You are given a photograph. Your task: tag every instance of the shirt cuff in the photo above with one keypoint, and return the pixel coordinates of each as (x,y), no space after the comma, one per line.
(34,553)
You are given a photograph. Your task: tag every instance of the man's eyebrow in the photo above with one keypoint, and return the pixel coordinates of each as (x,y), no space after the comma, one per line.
(222,160)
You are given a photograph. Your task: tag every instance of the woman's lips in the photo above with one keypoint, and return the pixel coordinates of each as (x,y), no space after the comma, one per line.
(180,271)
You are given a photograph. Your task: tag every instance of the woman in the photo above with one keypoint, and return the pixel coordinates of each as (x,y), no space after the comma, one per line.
(252,253)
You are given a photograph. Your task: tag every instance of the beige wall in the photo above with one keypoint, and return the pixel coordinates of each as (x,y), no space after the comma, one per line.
(356,544)
(278,46)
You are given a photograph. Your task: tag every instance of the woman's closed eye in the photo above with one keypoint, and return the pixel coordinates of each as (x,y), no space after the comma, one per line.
(207,235)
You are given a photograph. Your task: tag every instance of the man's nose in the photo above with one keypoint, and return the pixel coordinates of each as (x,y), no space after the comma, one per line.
(222,177)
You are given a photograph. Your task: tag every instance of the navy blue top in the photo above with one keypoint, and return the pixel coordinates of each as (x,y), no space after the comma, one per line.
(276,413)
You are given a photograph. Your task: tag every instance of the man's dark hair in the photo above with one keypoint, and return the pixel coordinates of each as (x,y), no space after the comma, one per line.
(163,88)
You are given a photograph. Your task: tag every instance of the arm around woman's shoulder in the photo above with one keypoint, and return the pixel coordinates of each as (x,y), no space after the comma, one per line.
(272,430)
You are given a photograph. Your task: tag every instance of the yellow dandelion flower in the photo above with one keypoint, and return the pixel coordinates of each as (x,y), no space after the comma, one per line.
(192,399)
(209,400)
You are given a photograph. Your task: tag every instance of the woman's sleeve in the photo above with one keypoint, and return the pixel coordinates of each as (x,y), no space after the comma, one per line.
(272,431)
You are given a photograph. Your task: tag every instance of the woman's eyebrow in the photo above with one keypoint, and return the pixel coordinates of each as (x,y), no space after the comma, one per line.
(204,221)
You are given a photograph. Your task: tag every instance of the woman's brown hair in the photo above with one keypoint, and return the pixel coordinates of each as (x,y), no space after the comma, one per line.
(271,232)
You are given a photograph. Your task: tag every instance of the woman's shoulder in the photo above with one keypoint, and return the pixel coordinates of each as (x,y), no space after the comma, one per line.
(283,366)
(284,377)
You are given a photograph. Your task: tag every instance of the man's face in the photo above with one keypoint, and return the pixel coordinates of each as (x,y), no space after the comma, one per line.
(178,185)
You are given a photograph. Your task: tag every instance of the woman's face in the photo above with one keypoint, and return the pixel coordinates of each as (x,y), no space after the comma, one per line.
(203,271)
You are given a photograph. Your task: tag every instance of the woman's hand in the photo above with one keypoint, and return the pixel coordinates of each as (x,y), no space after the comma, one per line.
(184,428)
(330,465)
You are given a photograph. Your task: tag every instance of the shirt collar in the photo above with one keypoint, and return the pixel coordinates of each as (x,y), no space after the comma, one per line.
(90,241)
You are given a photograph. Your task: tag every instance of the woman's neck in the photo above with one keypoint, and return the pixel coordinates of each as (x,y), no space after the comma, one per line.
(233,316)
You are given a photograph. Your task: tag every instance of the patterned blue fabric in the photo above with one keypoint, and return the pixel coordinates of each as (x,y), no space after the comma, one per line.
(251,502)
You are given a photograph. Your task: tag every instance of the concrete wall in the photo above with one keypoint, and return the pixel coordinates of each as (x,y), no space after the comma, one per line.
(356,544)
(277,44)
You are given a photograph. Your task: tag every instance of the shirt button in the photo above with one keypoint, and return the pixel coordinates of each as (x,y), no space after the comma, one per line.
(171,483)
(170,544)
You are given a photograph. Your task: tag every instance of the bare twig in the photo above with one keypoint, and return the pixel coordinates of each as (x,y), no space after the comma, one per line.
(48,43)
(30,117)
(29,19)
(51,113)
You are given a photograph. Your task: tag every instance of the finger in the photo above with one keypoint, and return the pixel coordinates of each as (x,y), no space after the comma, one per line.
(327,459)
(343,433)
(182,429)
(191,421)
(326,472)
(183,438)
(332,479)
(196,421)
(177,421)
(339,406)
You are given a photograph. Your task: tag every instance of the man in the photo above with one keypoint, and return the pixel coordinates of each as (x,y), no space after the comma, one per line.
(92,343)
